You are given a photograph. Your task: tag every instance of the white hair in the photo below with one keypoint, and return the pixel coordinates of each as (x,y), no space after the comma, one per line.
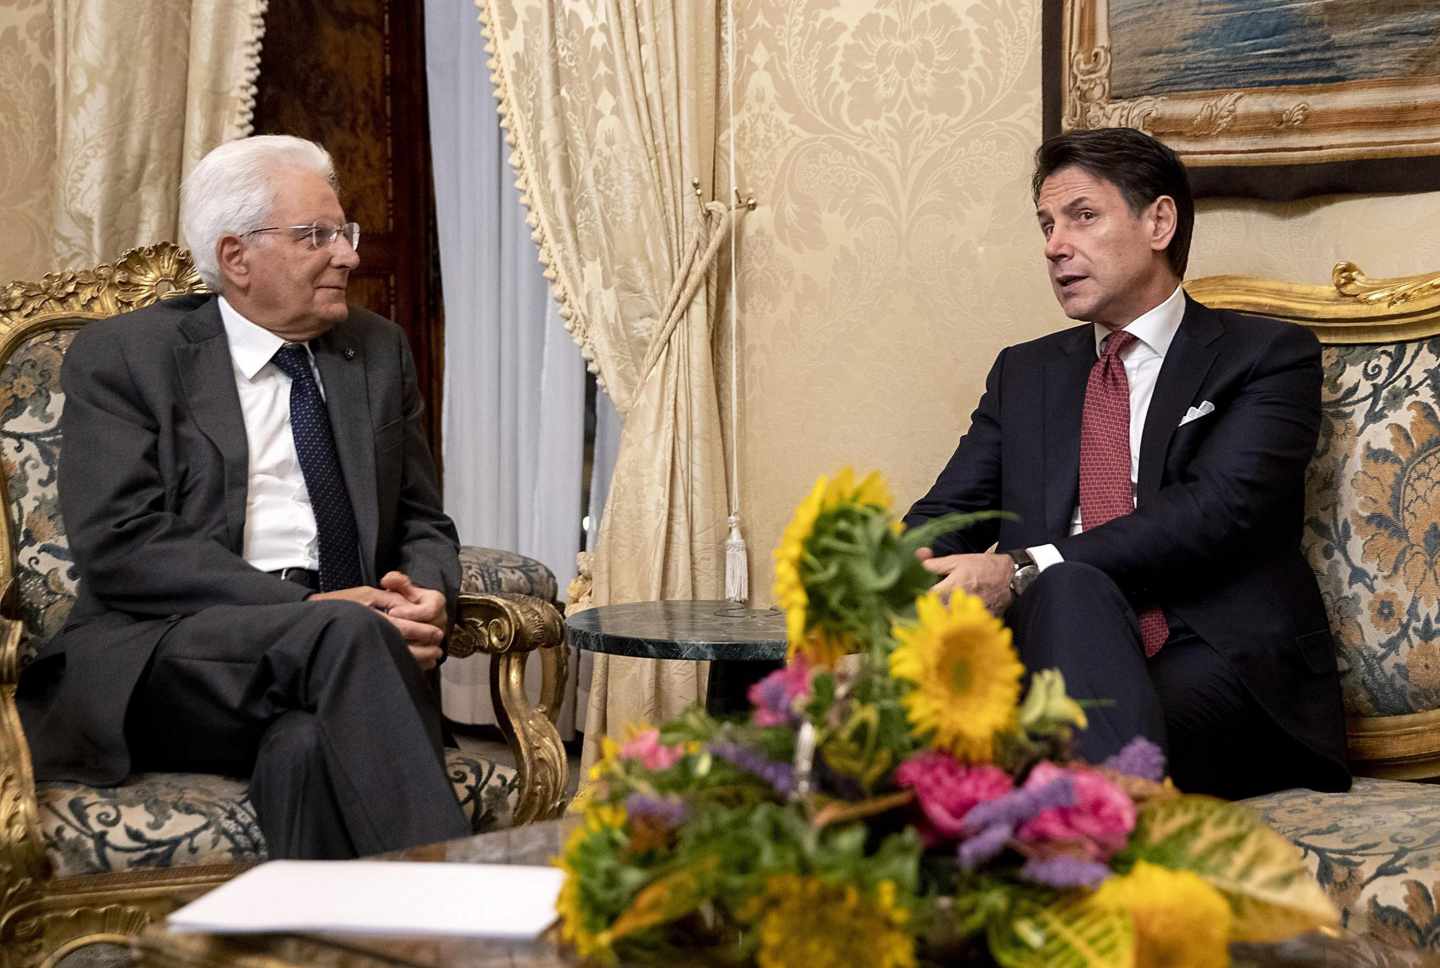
(232,190)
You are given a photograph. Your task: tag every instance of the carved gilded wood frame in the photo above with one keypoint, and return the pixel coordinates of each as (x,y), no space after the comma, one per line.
(1276,142)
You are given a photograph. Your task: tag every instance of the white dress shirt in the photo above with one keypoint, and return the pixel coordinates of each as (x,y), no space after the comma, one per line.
(1153,334)
(280,527)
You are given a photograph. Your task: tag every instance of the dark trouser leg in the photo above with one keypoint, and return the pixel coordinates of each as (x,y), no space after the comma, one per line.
(1188,698)
(293,797)
(1074,618)
(222,678)
(1221,741)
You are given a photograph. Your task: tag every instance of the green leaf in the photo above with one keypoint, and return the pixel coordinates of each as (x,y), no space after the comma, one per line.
(1066,934)
(923,535)
(1274,896)
(667,898)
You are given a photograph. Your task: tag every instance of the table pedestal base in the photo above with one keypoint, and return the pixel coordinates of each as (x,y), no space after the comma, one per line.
(730,681)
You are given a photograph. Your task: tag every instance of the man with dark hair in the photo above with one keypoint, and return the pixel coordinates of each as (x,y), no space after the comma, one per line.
(1154,457)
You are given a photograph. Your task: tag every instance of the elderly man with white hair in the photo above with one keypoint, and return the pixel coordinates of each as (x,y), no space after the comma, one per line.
(265,569)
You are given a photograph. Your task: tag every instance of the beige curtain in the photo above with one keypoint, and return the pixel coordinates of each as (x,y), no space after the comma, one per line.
(612,110)
(104,105)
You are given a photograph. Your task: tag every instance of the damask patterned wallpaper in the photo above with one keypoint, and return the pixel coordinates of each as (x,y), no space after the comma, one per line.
(894,251)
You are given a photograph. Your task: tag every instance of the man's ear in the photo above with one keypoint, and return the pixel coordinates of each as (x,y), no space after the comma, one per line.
(1162,222)
(234,266)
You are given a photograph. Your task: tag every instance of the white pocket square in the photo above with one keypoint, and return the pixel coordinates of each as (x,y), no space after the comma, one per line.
(1195,413)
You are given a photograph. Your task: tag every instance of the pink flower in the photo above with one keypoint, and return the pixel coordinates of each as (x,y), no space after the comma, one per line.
(646,747)
(776,697)
(1097,825)
(947,790)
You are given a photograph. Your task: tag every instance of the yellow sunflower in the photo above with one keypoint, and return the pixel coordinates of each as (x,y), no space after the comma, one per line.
(965,674)
(1181,921)
(789,590)
(807,921)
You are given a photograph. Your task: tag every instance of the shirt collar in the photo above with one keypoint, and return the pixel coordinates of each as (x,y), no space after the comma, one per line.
(251,345)
(1156,328)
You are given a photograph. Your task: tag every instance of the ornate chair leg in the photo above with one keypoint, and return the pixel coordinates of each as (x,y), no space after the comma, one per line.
(510,628)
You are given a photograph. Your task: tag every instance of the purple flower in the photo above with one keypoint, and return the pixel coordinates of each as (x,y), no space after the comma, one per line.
(1064,871)
(776,697)
(1016,807)
(984,846)
(781,776)
(666,812)
(1139,757)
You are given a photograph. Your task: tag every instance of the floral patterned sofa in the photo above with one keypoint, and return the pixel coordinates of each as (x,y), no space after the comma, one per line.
(79,863)
(1372,534)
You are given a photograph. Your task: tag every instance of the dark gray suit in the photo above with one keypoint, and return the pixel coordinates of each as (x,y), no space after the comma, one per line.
(179,654)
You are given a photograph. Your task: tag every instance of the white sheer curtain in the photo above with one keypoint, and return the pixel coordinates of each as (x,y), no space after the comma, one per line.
(514,380)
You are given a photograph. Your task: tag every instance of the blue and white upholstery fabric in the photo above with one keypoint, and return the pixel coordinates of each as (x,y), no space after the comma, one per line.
(159,820)
(491,570)
(1375,851)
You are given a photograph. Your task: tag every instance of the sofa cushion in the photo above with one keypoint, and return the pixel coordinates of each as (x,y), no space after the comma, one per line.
(175,819)
(490,570)
(1375,851)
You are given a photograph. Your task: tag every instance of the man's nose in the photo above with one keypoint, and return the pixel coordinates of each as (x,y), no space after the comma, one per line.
(1056,245)
(343,254)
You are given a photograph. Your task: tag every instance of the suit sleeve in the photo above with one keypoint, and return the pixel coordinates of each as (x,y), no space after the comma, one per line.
(133,553)
(428,543)
(971,480)
(1238,493)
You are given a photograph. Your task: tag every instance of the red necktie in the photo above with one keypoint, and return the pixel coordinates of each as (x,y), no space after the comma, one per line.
(1105,489)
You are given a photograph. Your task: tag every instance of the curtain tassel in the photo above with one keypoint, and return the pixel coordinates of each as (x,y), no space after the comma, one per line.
(737,564)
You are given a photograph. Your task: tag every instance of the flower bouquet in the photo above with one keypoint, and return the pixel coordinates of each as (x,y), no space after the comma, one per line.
(908,805)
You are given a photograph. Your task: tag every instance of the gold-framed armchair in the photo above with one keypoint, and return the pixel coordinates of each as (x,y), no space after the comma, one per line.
(79,864)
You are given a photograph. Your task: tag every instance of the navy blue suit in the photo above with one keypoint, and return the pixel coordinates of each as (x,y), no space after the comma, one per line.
(1215,536)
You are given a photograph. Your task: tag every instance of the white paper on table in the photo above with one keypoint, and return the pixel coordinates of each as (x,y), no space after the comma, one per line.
(379,897)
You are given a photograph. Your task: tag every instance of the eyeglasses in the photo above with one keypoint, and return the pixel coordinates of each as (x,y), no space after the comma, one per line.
(319,236)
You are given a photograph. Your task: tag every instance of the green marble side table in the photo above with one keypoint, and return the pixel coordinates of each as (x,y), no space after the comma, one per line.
(742,644)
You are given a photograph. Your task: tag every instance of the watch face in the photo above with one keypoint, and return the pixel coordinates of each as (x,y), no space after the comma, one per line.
(1024,576)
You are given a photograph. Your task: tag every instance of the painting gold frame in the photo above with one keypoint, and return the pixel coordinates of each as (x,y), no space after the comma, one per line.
(1270,142)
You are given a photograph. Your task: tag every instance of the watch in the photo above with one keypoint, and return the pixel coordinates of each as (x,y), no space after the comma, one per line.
(1025,573)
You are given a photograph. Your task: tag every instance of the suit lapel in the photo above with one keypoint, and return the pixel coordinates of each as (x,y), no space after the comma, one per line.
(1064,395)
(342,369)
(1186,364)
(208,378)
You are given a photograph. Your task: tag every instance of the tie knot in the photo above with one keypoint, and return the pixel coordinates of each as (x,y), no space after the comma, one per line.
(1115,343)
(293,361)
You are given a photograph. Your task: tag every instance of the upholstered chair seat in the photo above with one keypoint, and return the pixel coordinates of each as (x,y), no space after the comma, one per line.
(1375,850)
(158,820)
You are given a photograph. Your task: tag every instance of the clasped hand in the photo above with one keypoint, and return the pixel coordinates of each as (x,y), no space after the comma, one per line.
(418,613)
(986,576)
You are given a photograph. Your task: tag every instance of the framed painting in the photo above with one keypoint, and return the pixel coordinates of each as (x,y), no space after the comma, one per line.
(1273,99)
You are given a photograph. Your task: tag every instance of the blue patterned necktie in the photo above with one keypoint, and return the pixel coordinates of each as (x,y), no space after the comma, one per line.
(315,446)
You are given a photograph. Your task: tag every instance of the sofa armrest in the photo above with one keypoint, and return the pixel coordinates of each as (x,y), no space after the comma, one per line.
(23,866)
(490,570)
(508,628)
